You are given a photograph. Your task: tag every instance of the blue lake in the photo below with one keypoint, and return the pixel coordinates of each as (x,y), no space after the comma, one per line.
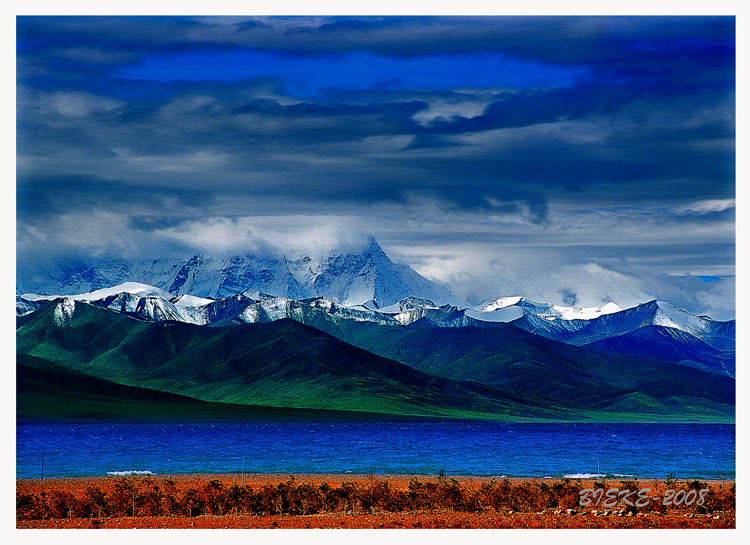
(458,448)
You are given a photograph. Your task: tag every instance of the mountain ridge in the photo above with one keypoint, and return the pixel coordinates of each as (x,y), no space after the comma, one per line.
(289,364)
(687,332)
(511,373)
(282,363)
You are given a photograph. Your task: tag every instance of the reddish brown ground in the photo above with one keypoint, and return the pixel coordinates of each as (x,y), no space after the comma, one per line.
(390,520)
(683,517)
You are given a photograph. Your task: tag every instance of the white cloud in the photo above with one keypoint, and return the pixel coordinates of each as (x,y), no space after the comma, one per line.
(77,104)
(292,235)
(713,299)
(706,207)
(188,162)
(447,109)
(91,233)
(592,255)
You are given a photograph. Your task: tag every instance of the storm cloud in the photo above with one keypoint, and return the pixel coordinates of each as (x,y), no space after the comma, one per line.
(565,158)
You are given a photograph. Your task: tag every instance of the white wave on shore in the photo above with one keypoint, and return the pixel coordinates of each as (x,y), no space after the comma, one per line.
(594,475)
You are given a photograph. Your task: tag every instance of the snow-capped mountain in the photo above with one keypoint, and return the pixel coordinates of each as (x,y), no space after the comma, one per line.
(204,311)
(126,288)
(308,311)
(26,306)
(553,321)
(581,326)
(655,329)
(141,300)
(411,309)
(506,309)
(154,304)
(349,277)
(267,308)
(719,335)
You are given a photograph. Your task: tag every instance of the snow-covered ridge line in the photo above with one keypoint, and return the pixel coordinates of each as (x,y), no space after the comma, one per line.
(148,302)
(697,339)
(550,311)
(133,288)
(155,304)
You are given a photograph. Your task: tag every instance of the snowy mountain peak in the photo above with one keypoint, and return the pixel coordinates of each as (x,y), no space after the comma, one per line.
(546,310)
(132,288)
(502,302)
(665,314)
(584,313)
(190,301)
(354,274)
(374,249)
(25,306)
(573,325)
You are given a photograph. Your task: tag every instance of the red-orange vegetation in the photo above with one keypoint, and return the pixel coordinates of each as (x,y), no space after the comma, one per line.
(336,501)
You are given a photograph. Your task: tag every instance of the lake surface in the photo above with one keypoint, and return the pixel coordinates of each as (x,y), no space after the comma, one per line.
(458,448)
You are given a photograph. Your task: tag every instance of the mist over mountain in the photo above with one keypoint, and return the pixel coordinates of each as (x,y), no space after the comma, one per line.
(350,275)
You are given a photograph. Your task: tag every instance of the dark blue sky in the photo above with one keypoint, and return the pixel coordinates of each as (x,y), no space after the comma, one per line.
(569,159)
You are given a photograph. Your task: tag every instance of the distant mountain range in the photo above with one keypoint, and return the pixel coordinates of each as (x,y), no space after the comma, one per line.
(283,363)
(420,369)
(355,332)
(655,329)
(349,276)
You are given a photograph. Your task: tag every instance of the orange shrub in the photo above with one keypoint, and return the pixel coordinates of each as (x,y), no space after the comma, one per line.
(194,496)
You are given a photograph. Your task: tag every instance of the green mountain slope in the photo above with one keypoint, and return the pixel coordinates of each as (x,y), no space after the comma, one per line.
(500,372)
(510,358)
(284,363)
(46,391)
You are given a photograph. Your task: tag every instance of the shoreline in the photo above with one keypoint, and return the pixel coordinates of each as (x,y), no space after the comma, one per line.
(317,478)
